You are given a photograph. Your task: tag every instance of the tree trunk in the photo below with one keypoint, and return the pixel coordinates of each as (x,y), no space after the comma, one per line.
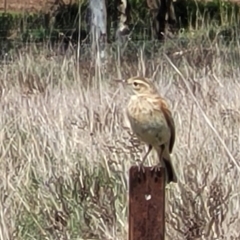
(162,12)
(98,26)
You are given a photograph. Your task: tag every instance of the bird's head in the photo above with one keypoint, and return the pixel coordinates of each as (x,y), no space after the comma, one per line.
(140,85)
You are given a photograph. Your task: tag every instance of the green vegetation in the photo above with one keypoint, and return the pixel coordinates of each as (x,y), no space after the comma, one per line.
(64,20)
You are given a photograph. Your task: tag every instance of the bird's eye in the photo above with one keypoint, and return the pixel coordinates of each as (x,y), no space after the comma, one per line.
(135,84)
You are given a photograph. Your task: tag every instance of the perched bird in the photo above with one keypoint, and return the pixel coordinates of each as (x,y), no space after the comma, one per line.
(151,120)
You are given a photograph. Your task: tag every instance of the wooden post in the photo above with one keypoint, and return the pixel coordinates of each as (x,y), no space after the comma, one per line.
(146,204)
(5,6)
(122,31)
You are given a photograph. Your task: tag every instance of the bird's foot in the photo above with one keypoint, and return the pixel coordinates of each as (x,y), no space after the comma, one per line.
(156,168)
(141,167)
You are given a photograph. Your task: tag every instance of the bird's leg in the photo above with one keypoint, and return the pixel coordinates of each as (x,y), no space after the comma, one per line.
(160,155)
(144,158)
(147,153)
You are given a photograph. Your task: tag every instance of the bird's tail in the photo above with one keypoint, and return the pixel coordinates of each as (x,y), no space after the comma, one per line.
(169,169)
(171,175)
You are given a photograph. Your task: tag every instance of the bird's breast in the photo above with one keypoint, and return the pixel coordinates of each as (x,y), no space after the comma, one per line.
(146,121)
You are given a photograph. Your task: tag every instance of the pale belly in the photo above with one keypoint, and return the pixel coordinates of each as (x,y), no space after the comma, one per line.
(149,124)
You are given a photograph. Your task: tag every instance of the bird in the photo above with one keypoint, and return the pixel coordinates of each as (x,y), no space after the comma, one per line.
(151,121)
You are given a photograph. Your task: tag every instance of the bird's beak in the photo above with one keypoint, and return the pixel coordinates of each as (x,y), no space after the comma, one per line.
(123,81)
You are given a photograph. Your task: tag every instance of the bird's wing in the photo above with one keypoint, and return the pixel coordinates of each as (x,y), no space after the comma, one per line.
(169,119)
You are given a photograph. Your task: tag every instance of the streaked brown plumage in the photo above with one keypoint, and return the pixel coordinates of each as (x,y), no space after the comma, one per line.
(151,120)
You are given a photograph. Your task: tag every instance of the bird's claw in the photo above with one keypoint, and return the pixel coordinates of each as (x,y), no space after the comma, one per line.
(156,168)
(141,167)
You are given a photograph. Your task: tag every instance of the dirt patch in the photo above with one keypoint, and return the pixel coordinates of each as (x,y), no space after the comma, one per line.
(36,5)
(28,5)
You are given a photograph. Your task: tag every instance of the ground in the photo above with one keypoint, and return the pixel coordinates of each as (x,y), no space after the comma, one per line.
(27,5)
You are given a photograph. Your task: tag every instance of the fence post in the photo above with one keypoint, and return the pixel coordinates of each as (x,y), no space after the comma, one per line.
(146,204)
(98,29)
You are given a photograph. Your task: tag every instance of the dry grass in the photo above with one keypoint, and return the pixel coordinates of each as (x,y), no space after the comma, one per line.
(65,152)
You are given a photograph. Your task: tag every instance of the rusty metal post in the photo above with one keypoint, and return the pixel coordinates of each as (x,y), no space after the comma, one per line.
(146,204)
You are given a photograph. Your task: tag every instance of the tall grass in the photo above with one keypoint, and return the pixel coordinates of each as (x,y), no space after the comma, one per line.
(65,150)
